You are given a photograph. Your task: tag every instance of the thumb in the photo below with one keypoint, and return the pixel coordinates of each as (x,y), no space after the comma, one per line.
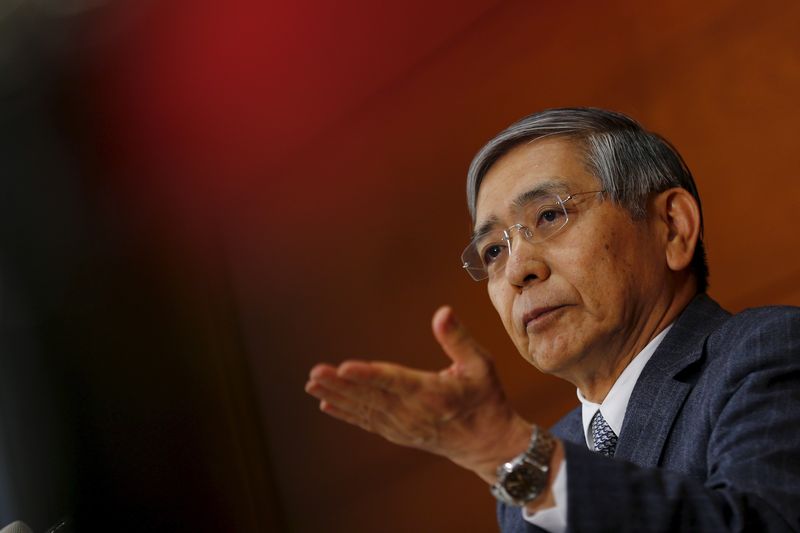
(455,340)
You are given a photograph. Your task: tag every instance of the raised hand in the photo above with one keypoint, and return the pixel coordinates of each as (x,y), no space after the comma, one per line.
(460,412)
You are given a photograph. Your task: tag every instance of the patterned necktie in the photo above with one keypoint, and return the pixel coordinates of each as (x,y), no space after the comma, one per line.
(605,440)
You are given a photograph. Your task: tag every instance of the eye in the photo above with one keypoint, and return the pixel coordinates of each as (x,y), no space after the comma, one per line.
(549,216)
(492,253)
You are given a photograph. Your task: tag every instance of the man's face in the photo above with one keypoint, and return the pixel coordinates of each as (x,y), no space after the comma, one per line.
(578,303)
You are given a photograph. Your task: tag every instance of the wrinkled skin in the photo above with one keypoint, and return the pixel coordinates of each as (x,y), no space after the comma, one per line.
(460,412)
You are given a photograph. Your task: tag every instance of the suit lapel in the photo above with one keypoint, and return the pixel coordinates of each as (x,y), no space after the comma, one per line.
(658,395)
(570,427)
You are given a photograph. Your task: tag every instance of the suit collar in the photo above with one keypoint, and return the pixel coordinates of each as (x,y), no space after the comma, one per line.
(683,345)
(658,395)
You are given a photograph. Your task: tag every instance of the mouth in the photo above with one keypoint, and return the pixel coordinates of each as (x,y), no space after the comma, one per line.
(538,316)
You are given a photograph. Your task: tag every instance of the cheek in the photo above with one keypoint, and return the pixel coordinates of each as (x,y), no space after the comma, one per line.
(503,302)
(601,272)
(616,278)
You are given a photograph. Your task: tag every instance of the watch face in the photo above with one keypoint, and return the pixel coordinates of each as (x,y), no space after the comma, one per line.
(524,482)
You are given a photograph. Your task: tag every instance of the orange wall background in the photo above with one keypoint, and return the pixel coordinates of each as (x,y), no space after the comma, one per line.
(371,220)
(291,178)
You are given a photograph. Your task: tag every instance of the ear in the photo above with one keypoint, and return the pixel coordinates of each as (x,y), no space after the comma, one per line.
(678,210)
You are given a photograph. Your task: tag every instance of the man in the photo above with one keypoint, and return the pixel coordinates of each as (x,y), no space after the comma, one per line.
(589,231)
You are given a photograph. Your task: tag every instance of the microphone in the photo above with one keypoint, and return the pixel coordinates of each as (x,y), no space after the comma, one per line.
(16,527)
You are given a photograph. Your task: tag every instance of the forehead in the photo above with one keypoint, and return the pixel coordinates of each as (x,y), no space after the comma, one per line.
(552,162)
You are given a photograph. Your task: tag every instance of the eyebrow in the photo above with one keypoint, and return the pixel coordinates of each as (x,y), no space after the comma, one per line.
(543,189)
(552,186)
(485,228)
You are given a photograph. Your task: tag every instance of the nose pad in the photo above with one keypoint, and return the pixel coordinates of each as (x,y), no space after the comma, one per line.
(520,230)
(524,265)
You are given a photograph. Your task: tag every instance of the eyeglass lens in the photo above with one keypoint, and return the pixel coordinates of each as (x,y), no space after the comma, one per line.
(488,253)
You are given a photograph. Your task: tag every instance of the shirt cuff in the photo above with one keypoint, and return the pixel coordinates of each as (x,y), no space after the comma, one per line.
(553,519)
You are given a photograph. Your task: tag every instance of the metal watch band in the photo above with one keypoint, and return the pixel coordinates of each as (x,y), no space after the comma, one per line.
(541,447)
(523,478)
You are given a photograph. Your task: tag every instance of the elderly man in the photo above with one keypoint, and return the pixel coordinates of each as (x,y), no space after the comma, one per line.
(588,230)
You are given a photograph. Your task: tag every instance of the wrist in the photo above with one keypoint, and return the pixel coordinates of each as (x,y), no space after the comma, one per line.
(546,499)
(526,478)
(505,446)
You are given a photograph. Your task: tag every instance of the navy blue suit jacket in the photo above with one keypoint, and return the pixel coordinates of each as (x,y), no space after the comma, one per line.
(711,437)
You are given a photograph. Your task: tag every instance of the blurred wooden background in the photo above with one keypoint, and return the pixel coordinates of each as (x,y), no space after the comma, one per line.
(378,251)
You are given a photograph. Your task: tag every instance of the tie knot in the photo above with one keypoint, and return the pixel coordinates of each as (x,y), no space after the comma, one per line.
(605,440)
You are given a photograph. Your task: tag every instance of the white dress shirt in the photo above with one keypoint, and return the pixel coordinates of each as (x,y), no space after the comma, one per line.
(613,409)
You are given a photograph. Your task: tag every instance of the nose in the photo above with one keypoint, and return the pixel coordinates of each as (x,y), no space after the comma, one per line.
(525,264)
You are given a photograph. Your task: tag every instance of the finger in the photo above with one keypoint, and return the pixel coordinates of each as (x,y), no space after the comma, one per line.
(362,401)
(322,370)
(389,377)
(356,388)
(353,382)
(353,403)
(319,391)
(367,415)
(455,340)
(343,415)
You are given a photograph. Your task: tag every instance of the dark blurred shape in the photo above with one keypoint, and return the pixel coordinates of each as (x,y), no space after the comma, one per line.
(125,401)
(39,234)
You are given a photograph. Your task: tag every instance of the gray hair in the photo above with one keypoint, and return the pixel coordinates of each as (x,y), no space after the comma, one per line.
(630,162)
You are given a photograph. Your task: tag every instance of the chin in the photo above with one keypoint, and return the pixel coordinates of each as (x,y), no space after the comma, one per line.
(551,361)
(543,363)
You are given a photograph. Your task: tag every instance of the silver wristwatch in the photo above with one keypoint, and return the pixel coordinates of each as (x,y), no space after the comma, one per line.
(524,477)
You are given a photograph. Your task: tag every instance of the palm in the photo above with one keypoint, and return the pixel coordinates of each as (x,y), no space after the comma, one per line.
(460,412)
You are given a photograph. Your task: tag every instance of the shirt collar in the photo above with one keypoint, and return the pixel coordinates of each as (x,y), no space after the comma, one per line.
(616,401)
